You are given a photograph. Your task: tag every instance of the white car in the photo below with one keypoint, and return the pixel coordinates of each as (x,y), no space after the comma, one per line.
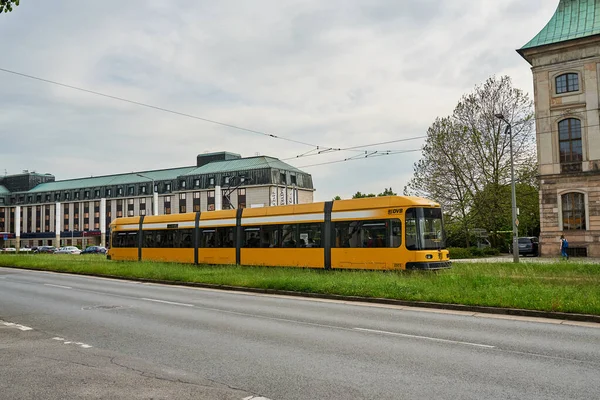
(9,250)
(24,249)
(68,250)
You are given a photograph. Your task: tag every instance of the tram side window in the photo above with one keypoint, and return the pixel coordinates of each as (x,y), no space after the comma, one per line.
(175,238)
(251,236)
(369,234)
(310,235)
(124,239)
(218,238)
(289,236)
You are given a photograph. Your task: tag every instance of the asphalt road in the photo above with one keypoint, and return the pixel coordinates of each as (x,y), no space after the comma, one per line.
(101,338)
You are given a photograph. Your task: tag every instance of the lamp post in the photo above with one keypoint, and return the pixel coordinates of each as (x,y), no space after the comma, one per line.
(154,195)
(515,241)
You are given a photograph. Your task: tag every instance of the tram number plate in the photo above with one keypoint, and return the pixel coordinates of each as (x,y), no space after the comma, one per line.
(172,226)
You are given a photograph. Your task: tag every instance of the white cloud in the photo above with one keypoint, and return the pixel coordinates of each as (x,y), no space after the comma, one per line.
(336,73)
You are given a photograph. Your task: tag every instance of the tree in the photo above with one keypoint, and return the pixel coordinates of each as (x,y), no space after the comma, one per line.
(465,164)
(7,5)
(387,192)
(359,195)
(337,198)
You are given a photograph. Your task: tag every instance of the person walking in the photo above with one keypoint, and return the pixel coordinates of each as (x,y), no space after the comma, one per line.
(564,245)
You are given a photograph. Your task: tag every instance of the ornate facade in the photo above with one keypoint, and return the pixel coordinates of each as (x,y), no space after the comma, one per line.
(565,59)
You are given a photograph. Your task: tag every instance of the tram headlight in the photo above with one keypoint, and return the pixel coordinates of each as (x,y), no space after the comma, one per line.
(429,256)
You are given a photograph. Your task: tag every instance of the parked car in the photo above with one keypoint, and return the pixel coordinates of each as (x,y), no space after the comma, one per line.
(9,250)
(94,250)
(529,245)
(25,250)
(68,250)
(45,250)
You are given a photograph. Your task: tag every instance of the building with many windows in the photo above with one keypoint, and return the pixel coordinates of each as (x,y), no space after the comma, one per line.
(37,210)
(565,59)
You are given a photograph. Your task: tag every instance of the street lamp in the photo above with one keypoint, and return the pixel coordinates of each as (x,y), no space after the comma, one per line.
(154,195)
(515,241)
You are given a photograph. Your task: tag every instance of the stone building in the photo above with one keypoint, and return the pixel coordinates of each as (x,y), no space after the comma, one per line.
(37,210)
(565,59)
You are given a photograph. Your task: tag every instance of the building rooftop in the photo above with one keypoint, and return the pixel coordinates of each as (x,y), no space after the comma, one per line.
(243,164)
(573,19)
(120,179)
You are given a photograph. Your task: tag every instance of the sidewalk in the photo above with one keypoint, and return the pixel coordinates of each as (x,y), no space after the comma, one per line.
(524,259)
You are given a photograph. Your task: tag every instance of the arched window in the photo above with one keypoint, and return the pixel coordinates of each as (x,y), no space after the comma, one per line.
(567,83)
(573,211)
(569,137)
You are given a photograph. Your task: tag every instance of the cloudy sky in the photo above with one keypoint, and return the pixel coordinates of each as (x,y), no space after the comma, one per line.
(336,73)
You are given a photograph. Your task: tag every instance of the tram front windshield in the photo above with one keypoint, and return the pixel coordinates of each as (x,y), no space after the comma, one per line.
(424,229)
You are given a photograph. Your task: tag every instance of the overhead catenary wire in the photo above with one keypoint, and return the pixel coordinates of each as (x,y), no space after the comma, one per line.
(316,148)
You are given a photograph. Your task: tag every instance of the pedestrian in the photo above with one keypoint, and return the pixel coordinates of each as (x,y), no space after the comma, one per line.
(564,245)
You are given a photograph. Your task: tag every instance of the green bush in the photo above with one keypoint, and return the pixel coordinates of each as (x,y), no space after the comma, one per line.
(472,252)
(459,252)
(490,251)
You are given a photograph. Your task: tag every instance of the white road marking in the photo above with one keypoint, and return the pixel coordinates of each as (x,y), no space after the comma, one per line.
(58,286)
(18,326)
(424,337)
(168,302)
(80,344)
(255,398)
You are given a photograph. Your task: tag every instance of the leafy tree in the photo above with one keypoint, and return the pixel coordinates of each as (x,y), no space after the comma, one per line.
(387,192)
(337,198)
(7,5)
(359,195)
(465,163)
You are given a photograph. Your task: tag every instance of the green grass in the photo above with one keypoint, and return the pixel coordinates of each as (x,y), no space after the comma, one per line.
(572,287)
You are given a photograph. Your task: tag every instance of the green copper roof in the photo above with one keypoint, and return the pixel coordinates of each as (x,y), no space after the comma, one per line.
(243,164)
(121,179)
(573,19)
(3,190)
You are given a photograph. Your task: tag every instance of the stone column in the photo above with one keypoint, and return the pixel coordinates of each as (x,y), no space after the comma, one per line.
(18,227)
(218,198)
(57,224)
(103,222)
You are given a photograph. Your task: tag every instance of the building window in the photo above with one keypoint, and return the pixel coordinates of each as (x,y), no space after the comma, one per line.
(293,179)
(573,211)
(155,188)
(226,180)
(120,191)
(196,182)
(131,190)
(76,196)
(47,197)
(567,83)
(97,193)
(211,200)
(211,181)
(67,196)
(241,198)
(108,192)
(143,189)
(196,201)
(182,184)
(282,178)
(86,194)
(571,151)
(167,200)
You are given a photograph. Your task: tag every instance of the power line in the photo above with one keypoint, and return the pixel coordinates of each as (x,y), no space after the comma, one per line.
(321,149)
(158,108)
(354,148)
(355,158)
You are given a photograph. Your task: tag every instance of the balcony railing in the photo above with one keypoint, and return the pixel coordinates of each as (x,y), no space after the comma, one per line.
(566,168)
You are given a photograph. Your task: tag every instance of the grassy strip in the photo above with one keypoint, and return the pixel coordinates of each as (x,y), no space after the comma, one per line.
(572,287)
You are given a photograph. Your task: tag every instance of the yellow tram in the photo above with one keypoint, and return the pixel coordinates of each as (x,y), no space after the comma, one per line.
(378,233)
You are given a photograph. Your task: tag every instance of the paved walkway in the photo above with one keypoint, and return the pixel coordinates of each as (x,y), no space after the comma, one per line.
(523,259)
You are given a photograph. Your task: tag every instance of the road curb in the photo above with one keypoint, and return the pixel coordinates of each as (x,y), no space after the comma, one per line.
(356,299)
